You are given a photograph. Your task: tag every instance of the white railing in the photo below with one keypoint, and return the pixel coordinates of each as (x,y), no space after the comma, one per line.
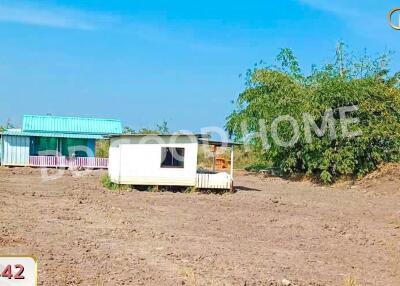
(213,181)
(65,162)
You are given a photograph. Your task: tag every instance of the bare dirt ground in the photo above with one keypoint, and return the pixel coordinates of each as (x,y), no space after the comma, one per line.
(270,230)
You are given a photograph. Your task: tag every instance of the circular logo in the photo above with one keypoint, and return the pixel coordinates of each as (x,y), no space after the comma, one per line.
(392,14)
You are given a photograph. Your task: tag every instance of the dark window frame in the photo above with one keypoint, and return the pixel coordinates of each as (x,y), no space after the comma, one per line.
(167,154)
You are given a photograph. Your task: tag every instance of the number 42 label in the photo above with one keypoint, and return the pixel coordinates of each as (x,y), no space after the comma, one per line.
(18,271)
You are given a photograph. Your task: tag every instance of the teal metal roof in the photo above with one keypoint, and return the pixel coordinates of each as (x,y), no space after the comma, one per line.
(16,132)
(68,125)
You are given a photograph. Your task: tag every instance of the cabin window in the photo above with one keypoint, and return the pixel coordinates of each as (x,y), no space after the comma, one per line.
(172,157)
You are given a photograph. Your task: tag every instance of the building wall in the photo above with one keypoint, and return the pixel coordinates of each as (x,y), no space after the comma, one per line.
(137,160)
(91,144)
(15,150)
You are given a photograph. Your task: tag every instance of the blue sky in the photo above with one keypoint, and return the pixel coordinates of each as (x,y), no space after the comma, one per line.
(148,61)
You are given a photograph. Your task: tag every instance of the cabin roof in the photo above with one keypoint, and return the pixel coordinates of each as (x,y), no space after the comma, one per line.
(70,125)
(159,135)
(201,138)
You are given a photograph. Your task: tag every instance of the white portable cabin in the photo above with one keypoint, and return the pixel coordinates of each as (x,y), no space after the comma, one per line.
(163,160)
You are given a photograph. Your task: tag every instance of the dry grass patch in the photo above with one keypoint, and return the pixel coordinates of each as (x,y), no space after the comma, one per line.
(350,281)
(190,276)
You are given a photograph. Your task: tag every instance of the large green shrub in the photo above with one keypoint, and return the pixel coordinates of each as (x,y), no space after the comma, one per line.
(365,86)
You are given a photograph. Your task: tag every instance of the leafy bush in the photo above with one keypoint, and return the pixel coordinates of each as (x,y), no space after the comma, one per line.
(282,89)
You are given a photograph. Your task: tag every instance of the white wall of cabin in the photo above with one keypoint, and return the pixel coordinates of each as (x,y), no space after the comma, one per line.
(136,160)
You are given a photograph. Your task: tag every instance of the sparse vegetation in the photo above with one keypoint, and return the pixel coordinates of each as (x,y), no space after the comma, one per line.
(205,156)
(191,190)
(173,189)
(154,189)
(161,128)
(8,125)
(102,147)
(258,166)
(177,189)
(128,130)
(108,184)
(242,158)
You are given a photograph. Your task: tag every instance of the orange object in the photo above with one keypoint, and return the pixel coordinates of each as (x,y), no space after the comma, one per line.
(221,163)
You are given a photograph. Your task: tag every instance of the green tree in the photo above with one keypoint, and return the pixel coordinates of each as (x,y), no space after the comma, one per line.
(282,89)
(163,127)
(128,130)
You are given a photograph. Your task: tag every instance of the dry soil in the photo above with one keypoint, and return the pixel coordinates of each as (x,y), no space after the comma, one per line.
(270,230)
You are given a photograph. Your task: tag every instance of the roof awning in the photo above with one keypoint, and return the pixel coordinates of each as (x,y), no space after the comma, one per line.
(51,134)
(206,141)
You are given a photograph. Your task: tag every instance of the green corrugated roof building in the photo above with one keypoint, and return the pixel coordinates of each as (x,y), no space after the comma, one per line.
(43,136)
(68,125)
